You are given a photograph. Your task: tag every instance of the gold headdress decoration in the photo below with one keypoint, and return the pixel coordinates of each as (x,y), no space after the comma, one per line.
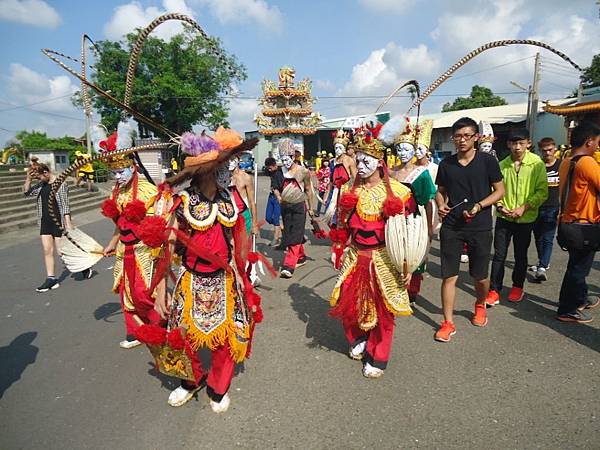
(423,133)
(365,141)
(341,137)
(486,133)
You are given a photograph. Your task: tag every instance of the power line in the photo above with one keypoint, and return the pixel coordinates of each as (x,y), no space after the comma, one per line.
(32,104)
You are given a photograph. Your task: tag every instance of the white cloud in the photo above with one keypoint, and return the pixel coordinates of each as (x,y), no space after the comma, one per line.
(324,85)
(246,11)
(388,6)
(49,94)
(241,114)
(383,71)
(128,17)
(30,12)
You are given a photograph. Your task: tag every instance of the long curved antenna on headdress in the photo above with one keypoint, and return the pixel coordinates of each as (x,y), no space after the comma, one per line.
(142,118)
(414,83)
(85,97)
(137,48)
(461,62)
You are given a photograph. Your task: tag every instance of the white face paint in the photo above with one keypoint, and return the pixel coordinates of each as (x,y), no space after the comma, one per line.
(287,161)
(339,149)
(421,151)
(405,152)
(234,163)
(123,176)
(223,176)
(485,147)
(366,165)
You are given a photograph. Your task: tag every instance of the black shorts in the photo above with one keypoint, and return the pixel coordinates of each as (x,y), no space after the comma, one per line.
(86,175)
(47,226)
(479,246)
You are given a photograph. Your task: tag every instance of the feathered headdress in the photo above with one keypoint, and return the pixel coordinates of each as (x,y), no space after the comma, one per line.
(341,137)
(119,140)
(366,141)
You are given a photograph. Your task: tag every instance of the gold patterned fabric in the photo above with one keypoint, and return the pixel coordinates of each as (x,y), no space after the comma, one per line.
(393,291)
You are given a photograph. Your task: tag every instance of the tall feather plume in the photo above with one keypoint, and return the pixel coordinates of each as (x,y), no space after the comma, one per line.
(125,131)
(97,135)
(391,129)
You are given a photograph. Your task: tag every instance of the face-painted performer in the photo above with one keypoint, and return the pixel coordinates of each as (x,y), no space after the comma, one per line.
(213,304)
(241,186)
(296,193)
(369,291)
(409,141)
(129,204)
(486,138)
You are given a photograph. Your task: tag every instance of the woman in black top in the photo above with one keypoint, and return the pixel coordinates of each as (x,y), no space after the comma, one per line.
(49,230)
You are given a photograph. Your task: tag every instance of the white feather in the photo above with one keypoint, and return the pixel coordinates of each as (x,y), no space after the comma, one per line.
(407,240)
(79,251)
(392,128)
(97,135)
(125,132)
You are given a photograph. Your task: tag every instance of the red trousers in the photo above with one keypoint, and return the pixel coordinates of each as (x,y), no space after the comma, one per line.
(293,254)
(219,375)
(142,302)
(415,285)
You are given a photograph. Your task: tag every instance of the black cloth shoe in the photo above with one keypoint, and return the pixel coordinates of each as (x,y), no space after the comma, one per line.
(87,274)
(50,283)
(577,316)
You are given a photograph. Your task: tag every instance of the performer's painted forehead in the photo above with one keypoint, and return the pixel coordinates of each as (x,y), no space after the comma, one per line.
(287,161)
(223,176)
(339,149)
(122,176)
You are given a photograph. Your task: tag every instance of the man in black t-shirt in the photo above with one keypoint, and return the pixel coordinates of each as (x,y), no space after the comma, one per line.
(469,183)
(545,225)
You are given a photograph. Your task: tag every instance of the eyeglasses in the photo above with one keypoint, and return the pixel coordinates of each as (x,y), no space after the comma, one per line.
(466,137)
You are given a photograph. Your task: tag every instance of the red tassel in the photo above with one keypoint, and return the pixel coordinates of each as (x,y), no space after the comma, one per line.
(339,235)
(258,315)
(135,211)
(348,201)
(151,334)
(175,339)
(152,231)
(252,257)
(392,206)
(110,209)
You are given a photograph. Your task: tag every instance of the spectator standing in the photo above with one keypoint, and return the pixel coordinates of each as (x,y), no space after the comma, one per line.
(475,177)
(324,179)
(581,205)
(86,171)
(49,230)
(545,225)
(273,212)
(526,188)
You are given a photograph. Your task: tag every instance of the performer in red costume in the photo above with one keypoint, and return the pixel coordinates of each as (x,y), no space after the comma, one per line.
(370,291)
(130,202)
(213,304)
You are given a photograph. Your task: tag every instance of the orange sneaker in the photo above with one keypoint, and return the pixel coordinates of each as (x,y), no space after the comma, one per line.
(446,331)
(479,319)
(492,299)
(516,294)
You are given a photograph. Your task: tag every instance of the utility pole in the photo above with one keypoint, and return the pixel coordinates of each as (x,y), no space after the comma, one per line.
(534,97)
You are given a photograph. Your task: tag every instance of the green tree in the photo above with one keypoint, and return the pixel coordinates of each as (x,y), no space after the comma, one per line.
(177,84)
(29,140)
(480,97)
(591,75)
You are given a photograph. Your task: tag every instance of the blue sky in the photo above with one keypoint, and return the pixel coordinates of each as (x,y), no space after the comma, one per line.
(352,48)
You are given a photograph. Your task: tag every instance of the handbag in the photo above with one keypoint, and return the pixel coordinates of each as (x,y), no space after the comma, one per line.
(583,236)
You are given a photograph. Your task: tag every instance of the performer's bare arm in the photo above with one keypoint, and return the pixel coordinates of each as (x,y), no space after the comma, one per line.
(309,193)
(441,199)
(249,192)
(112,244)
(350,166)
(429,214)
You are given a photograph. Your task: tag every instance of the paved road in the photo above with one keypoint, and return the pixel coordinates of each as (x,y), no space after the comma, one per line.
(524,381)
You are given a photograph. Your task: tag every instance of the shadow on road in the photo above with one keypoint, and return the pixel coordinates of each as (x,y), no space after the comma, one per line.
(15,357)
(531,310)
(321,329)
(106,311)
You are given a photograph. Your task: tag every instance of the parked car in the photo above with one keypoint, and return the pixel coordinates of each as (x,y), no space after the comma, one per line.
(247,162)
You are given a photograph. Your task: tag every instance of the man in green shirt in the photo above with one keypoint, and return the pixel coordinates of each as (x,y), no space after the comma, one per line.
(526,187)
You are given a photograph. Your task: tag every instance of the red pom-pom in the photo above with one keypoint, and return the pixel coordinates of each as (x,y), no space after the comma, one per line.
(110,209)
(151,334)
(258,315)
(252,257)
(135,211)
(252,298)
(152,231)
(348,201)
(175,339)
(339,235)
(393,206)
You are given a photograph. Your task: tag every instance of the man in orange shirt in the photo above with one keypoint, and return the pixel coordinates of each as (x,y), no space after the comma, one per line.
(582,205)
